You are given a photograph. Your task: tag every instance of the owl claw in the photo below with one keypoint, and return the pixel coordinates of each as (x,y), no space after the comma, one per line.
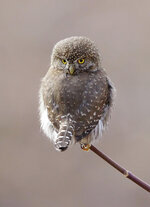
(85,147)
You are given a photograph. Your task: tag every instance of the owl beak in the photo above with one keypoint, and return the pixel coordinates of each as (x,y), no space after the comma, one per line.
(71,69)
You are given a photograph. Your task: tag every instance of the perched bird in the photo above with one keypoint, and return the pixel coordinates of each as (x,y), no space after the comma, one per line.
(76,94)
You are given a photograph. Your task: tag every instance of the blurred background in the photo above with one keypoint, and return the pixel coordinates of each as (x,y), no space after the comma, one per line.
(32,173)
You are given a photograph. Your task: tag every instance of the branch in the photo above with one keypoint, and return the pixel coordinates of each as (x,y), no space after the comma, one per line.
(125,172)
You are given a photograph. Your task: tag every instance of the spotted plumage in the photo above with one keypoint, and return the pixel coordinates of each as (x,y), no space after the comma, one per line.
(76,95)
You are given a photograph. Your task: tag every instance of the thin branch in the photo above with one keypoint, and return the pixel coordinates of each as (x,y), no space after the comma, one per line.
(125,172)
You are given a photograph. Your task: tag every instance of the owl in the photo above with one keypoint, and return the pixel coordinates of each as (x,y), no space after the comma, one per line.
(76,95)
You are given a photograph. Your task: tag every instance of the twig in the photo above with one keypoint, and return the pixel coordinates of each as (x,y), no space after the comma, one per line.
(125,172)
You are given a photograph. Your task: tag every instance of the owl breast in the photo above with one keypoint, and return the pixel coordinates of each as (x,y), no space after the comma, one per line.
(80,97)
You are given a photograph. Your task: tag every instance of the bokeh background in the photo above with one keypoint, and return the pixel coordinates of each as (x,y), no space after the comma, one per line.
(32,173)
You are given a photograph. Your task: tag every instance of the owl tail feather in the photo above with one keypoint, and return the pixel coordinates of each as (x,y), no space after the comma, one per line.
(64,136)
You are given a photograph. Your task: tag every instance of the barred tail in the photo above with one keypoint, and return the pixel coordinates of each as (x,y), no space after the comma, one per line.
(64,136)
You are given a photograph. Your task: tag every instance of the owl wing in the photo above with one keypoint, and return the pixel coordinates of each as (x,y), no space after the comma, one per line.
(103,121)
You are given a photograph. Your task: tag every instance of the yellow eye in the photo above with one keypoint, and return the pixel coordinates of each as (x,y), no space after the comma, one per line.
(64,61)
(81,61)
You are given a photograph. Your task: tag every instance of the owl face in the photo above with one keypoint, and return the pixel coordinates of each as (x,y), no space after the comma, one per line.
(74,66)
(75,55)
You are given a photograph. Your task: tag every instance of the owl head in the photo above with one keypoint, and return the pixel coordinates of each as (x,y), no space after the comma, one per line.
(75,55)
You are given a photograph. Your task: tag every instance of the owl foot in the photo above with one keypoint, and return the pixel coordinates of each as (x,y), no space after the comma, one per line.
(85,147)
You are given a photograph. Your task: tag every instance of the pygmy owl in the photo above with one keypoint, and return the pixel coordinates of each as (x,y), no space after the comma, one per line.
(76,94)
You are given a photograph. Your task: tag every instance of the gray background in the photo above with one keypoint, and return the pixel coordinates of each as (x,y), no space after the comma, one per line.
(32,173)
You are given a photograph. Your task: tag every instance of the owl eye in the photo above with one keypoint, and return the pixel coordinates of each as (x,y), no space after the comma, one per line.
(64,61)
(81,61)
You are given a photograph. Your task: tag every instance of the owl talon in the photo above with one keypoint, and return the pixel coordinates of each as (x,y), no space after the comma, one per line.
(85,147)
